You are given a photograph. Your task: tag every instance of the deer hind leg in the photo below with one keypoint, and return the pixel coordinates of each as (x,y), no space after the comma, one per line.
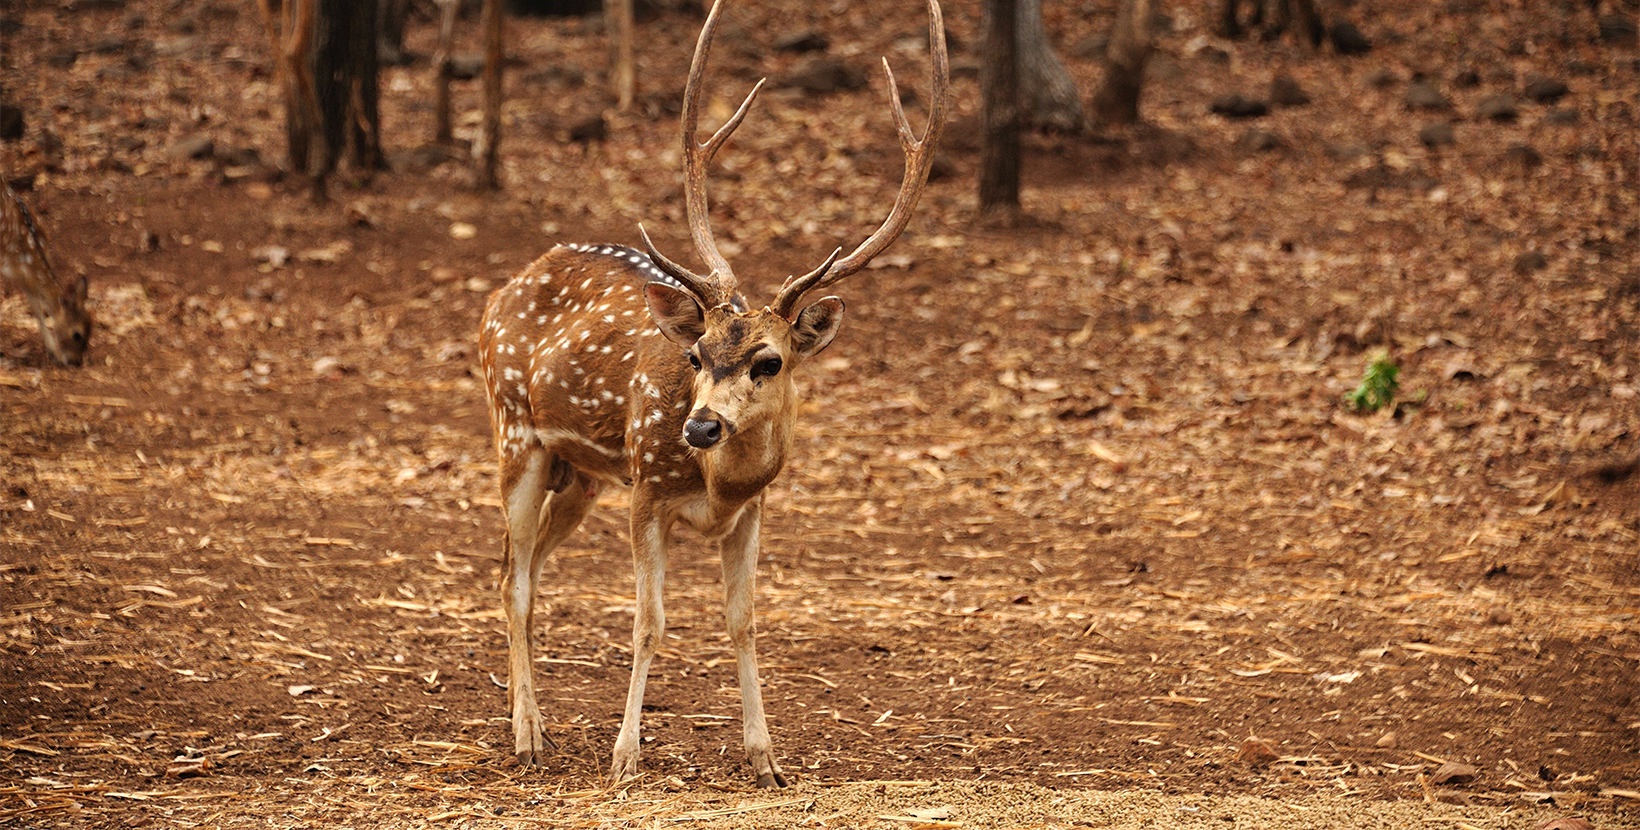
(540,512)
(738,551)
(648,626)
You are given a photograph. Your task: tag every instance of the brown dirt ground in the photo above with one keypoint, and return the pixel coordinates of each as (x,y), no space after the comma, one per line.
(1076,514)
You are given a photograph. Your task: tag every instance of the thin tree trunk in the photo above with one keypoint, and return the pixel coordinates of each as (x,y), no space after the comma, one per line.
(489,175)
(1116,101)
(1051,100)
(624,74)
(363,90)
(999,106)
(443,133)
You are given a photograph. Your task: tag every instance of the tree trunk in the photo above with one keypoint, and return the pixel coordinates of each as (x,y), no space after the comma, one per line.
(624,73)
(442,129)
(1051,101)
(325,56)
(489,177)
(1116,101)
(999,108)
(361,116)
(390,42)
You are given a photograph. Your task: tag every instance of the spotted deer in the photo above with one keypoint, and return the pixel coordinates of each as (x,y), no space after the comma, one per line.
(609,366)
(59,305)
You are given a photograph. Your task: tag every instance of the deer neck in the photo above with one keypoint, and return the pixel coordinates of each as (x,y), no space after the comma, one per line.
(737,471)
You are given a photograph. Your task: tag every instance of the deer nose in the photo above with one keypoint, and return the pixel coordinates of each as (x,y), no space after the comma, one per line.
(703,430)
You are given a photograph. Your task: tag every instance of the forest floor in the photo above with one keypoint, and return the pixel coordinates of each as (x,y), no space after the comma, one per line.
(1079,530)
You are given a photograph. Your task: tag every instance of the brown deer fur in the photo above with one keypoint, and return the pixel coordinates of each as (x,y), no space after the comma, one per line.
(605,366)
(59,306)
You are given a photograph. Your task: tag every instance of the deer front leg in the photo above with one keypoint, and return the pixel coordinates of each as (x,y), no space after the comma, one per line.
(648,626)
(738,551)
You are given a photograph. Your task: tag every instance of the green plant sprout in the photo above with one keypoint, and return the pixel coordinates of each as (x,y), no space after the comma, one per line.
(1377,387)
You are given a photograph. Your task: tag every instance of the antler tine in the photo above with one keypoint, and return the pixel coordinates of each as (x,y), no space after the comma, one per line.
(919,157)
(702,287)
(717,285)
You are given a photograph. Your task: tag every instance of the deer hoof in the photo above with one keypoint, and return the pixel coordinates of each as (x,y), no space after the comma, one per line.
(530,743)
(771,780)
(624,767)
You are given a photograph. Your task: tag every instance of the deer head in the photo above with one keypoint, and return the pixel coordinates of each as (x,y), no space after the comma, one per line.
(743,359)
(58,305)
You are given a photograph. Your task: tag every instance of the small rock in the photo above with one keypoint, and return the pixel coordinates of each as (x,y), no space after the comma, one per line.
(1498,107)
(477,285)
(1236,106)
(807,41)
(1524,156)
(427,156)
(1257,753)
(193,147)
(63,58)
(824,75)
(1618,30)
(1530,263)
(1499,615)
(1210,53)
(1285,92)
(1258,141)
(1567,823)
(1422,95)
(1453,772)
(1387,741)
(329,366)
(1347,39)
(1382,77)
(1544,89)
(1561,118)
(275,255)
(1439,134)
(1348,152)
(589,130)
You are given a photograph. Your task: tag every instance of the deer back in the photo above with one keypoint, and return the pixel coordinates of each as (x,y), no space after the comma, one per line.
(59,306)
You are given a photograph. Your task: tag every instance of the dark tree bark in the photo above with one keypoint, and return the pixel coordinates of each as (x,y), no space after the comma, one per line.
(1051,100)
(325,51)
(347,76)
(489,176)
(443,132)
(390,43)
(1116,100)
(999,107)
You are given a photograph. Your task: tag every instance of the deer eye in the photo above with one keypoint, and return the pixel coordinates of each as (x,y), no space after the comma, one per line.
(694,360)
(766,368)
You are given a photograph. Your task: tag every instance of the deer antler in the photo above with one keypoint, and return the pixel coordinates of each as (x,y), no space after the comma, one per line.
(717,285)
(919,157)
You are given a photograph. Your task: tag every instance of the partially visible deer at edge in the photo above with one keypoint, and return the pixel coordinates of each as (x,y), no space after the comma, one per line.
(605,366)
(58,305)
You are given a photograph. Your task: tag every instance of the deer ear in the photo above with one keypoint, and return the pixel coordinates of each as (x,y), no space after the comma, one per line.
(816,325)
(676,313)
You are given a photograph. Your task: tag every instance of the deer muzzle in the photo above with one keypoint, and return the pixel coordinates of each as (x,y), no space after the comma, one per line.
(705,429)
